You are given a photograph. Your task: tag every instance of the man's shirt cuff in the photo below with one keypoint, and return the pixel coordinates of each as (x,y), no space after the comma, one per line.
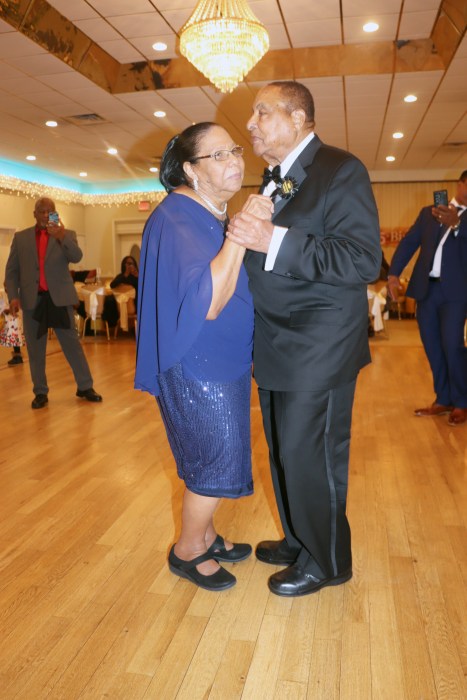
(276,242)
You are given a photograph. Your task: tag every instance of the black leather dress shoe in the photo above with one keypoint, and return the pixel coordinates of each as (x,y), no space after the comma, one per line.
(219,552)
(295,581)
(276,552)
(218,581)
(89,395)
(39,401)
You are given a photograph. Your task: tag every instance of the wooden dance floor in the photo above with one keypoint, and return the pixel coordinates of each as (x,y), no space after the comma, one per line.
(90,504)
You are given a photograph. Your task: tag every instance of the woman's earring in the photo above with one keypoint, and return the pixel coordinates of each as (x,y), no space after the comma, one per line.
(195,184)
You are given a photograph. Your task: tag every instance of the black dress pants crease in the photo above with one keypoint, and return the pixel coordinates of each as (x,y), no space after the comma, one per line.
(308,435)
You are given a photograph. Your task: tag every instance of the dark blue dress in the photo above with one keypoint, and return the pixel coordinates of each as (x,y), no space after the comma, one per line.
(198,369)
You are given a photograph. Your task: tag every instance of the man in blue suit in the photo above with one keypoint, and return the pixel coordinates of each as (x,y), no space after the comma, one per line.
(439,284)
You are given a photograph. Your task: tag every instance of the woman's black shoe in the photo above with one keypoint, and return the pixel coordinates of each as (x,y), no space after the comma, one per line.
(219,581)
(239,552)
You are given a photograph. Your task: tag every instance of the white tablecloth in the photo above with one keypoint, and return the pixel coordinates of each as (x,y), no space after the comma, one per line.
(89,293)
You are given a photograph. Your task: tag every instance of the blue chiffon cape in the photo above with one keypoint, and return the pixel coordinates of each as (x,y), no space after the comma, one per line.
(180,239)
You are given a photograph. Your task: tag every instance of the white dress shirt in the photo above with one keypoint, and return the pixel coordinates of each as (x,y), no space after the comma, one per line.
(436,269)
(280,231)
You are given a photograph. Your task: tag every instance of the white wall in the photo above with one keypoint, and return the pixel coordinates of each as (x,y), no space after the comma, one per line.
(94,223)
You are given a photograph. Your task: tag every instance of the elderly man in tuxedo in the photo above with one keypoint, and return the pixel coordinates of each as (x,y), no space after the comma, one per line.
(439,284)
(37,279)
(308,269)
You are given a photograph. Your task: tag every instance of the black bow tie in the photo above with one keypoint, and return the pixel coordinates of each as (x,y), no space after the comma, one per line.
(274,174)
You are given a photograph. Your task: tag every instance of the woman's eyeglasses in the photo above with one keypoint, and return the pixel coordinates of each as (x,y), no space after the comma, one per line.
(236,151)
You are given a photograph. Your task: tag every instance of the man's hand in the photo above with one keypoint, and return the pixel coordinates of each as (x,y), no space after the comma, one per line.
(57,231)
(394,287)
(15,306)
(250,231)
(259,205)
(447,216)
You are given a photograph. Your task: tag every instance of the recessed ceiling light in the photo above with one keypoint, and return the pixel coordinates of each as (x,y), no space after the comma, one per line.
(112,151)
(398,135)
(153,169)
(31,157)
(51,122)
(371,27)
(83,174)
(159,46)
(410,98)
(160,113)
(390,159)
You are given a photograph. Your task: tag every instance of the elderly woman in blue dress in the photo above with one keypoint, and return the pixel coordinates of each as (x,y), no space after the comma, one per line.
(195,338)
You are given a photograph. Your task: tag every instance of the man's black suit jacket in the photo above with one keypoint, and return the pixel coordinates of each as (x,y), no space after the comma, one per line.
(311,322)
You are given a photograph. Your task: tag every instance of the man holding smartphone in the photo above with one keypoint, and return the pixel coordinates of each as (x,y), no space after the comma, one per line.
(439,284)
(38,281)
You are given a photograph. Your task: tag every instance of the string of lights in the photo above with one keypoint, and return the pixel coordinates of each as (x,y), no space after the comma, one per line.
(35,190)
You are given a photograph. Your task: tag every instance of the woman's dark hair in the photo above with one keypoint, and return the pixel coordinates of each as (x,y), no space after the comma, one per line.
(181,149)
(127,257)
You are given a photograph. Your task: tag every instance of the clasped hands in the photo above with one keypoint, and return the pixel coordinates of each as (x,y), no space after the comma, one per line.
(252,227)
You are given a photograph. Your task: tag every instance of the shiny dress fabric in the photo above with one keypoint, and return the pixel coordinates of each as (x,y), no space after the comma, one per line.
(208,429)
(198,369)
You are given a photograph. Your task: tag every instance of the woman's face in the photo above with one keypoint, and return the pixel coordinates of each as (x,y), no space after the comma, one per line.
(130,265)
(218,179)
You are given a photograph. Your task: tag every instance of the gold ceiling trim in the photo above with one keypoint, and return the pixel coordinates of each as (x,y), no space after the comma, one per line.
(44,25)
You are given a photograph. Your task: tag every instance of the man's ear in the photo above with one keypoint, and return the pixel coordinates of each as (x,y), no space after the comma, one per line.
(298,118)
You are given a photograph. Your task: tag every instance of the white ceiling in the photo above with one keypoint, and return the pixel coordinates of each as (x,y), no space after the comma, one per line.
(356,112)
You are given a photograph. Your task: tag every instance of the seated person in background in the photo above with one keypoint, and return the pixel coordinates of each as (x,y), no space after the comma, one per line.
(110,313)
(128,275)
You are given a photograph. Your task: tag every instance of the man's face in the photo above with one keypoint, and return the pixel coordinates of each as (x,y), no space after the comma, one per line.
(42,210)
(461,194)
(274,133)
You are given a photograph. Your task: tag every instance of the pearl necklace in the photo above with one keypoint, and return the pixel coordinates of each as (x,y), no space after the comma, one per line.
(219,212)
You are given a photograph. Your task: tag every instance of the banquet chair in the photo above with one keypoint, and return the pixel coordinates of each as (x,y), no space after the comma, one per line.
(94,306)
(377,308)
(130,314)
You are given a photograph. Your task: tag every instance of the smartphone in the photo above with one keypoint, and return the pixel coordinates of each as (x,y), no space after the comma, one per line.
(440,197)
(54,218)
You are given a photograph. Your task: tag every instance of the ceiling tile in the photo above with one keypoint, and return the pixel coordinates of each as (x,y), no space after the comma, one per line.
(368,8)
(144,45)
(317,33)
(416,25)
(268,12)
(354,34)
(78,9)
(97,29)
(134,25)
(44,63)
(5,27)
(122,50)
(112,8)
(14,45)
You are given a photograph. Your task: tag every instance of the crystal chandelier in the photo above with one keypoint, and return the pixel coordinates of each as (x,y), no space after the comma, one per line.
(223,39)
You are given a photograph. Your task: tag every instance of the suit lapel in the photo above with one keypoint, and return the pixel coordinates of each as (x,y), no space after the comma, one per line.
(31,234)
(298,171)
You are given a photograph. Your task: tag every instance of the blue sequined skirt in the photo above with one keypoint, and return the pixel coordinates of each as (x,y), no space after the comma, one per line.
(208,428)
